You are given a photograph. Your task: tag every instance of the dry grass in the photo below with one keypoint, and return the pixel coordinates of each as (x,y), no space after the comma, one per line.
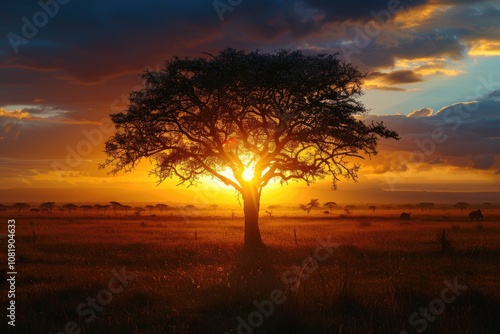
(380,274)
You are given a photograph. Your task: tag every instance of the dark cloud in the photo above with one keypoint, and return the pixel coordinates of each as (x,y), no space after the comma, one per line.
(462,134)
(483,162)
(396,77)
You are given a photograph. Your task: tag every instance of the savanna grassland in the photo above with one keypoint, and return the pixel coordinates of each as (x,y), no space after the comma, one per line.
(374,273)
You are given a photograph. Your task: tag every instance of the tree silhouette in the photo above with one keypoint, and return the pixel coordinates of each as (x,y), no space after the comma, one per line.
(138,210)
(126,208)
(247,119)
(49,206)
(330,205)
(488,205)
(21,206)
(425,205)
(70,207)
(348,208)
(461,205)
(150,208)
(116,205)
(86,207)
(314,203)
(372,207)
(161,207)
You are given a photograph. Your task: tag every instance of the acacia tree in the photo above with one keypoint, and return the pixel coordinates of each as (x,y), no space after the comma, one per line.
(462,205)
(247,119)
(330,205)
(314,203)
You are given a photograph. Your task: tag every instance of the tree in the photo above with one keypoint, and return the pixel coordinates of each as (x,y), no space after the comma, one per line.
(314,203)
(330,205)
(150,208)
(161,207)
(247,119)
(126,208)
(138,211)
(86,207)
(49,206)
(372,207)
(21,206)
(348,208)
(70,207)
(425,205)
(461,205)
(488,205)
(98,207)
(274,207)
(116,205)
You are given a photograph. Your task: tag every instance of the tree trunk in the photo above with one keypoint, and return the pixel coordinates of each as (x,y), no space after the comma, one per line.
(251,205)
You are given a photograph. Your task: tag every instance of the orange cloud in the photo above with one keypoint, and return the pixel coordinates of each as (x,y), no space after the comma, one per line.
(484,48)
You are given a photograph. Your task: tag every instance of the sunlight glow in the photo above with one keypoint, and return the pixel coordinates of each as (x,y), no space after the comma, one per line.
(248,174)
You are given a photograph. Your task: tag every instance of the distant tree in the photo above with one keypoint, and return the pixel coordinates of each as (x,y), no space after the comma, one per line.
(264,117)
(21,206)
(314,203)
(372,207)
(161,207)
(274,207)
(70,207)
(190,207)
(330,205)
(4,207)
(488,205)
(116,206)
(86,207)
(348,208)
(150,208)
(138,210)
(461,205)
(101,207)
(49,206)
(425,206)
(126,208)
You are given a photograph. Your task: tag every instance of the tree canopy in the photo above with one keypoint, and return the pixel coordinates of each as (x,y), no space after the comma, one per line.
(246,119)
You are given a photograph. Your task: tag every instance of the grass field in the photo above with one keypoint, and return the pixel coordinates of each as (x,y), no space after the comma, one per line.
(359,273)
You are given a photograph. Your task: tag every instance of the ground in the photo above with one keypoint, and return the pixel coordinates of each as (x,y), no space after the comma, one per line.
(187,272)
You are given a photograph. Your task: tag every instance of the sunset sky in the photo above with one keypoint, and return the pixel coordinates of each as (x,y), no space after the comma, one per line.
(433,76)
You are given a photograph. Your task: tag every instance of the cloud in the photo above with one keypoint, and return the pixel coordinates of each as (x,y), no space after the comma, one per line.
(14,114)
(483,162)
(395,77)
(463,135)
(424,112)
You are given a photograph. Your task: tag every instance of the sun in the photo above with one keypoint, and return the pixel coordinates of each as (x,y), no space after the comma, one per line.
(248,174)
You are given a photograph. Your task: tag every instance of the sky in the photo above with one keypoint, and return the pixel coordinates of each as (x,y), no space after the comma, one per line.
(433,75)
